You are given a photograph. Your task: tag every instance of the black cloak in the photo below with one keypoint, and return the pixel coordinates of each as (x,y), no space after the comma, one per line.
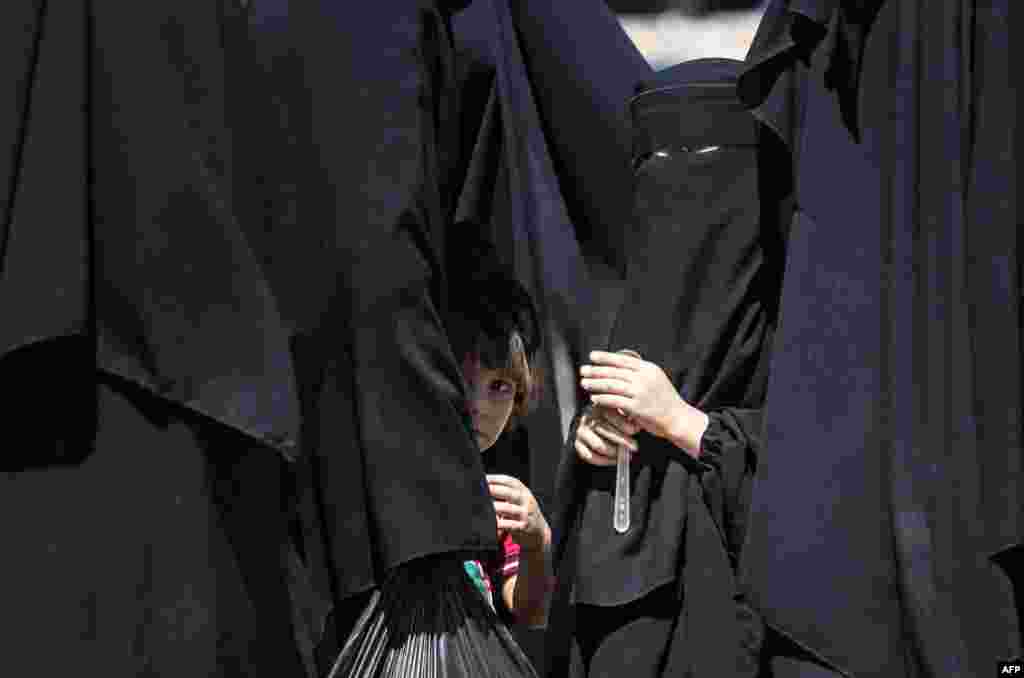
(578,69)
(500,184)
(557,69)
(890,494)
(511,194)
(519,92)
(703,282)
(584,68)
(512,190)
(144,359)
(365,184)
(194,194)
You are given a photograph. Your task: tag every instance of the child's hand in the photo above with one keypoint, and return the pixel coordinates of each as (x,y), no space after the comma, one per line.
(599,434)
(518,512)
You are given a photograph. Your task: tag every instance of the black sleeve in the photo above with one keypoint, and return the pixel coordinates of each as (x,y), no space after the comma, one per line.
(729,452)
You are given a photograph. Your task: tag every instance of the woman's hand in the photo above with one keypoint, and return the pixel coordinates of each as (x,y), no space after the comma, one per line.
(518,512)
(642,391)
(600,433)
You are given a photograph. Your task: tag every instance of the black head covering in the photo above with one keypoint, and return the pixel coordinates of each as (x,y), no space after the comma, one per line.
(703,278)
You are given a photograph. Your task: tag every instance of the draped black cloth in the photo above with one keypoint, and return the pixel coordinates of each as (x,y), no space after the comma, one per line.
(390,436)
(511,194)
(559,69)
(371,147)
(527,70)
(214,212)
(513,180)
(886,520)
(89,243)
(704,277)
(429,619)
(581,68)
(143,356)
(502,185)
(584,68)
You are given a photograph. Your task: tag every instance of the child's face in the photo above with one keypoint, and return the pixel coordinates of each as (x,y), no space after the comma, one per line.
(492,397)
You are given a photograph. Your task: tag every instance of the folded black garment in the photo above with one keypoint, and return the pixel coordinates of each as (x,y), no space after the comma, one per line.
(427,620)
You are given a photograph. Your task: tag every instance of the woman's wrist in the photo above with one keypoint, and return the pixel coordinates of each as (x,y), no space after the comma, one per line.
(688,429)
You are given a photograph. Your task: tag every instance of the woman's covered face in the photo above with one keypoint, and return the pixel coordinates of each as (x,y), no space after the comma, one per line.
(492,397)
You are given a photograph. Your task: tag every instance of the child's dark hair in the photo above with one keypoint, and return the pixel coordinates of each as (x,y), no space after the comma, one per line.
(495,321)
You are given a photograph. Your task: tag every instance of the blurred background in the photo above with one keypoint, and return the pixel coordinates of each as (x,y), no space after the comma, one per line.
(670,31)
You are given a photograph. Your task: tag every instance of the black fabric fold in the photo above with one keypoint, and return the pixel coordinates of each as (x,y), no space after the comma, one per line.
(398,475)
(92,245)
(731,448)
(190,189)
(428,619)
(1011,561)
(583,68)
(511,194)
(789,32)
(44,241)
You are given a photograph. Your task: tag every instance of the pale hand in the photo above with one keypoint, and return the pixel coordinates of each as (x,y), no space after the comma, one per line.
(642,391)
(600,434)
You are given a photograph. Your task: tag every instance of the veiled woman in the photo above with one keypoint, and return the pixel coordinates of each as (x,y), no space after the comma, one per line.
(660,598)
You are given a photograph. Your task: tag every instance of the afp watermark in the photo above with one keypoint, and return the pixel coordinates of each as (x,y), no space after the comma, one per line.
(1013,668)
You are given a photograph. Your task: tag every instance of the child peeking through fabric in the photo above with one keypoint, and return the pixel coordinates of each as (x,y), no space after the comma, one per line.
(426,617)
(495,326)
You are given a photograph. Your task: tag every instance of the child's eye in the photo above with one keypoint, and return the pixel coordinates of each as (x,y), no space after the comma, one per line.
(503,387)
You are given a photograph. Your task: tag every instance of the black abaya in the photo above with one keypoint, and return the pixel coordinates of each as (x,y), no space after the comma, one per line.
(703,283)
(366,114)
(195,190)
(895,394)
(144,360)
